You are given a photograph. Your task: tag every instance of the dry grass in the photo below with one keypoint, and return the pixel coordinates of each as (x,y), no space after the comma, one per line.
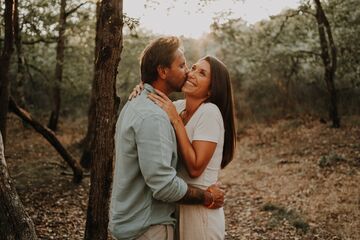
(308,169)
(293,179)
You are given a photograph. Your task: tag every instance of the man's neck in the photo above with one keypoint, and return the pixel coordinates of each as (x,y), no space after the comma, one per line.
(162,86)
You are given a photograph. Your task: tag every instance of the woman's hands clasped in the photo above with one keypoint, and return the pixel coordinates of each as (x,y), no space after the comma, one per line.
(218,195)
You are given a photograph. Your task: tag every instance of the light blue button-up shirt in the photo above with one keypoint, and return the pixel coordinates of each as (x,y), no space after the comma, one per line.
(145,182)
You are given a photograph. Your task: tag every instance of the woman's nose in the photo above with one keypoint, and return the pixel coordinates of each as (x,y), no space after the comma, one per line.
(190,73)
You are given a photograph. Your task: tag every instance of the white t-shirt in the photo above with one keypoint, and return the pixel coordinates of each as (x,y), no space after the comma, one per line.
(206,124)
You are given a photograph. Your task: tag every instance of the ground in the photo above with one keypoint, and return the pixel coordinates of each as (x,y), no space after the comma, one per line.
(290,179)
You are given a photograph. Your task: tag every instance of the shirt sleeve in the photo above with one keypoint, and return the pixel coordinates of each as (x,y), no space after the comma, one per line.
(155,147)
(209,125)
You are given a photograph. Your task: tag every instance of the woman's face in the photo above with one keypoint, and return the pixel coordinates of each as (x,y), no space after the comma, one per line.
(198,80)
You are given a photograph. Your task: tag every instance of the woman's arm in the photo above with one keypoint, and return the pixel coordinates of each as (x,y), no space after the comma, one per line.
(196,155)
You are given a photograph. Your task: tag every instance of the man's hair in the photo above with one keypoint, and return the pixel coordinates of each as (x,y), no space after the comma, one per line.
(159,52)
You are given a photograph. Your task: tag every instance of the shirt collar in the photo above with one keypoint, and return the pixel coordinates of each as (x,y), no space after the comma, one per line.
(149,88)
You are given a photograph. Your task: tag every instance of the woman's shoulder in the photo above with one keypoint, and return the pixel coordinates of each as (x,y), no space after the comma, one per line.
(210,108)
(209,111)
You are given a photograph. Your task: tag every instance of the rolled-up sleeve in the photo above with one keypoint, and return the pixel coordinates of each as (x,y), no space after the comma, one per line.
(155,146)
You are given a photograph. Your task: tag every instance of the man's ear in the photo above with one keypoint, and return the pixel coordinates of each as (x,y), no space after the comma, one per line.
(162,71)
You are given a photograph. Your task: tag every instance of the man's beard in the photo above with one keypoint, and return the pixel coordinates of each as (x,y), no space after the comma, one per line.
(178,88)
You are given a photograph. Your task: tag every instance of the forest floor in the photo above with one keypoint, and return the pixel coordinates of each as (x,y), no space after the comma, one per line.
(291,179)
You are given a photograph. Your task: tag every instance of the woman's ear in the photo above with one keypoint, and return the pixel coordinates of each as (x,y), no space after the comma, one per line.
(162,71)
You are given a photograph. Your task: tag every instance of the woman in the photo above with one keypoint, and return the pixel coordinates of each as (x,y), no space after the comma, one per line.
(205,132)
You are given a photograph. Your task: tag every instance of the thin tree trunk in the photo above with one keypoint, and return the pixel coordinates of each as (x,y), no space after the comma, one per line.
(50,137)
(19,92)
(328,55)
(5,64)
(85,160)
(15,223)
(54,117)
(109,32)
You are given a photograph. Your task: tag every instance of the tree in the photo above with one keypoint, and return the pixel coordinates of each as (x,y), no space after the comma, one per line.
(88,141)
(109,35)
(279,64)
(60,50)
(15,223)
(20,74)
(127,79)
(5,65)
(54,117)
(329,58)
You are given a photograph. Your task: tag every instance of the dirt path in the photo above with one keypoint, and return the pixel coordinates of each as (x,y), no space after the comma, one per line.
(295,180)
(290,180)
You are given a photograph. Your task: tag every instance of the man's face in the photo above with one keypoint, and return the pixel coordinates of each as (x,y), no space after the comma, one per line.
(177,73)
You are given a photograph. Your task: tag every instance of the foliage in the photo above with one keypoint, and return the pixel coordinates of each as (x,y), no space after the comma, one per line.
(275,65)
(129,67)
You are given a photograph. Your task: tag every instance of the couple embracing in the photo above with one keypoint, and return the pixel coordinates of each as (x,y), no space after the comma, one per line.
(169,154)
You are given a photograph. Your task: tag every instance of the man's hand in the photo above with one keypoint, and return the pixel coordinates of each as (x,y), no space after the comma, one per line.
(212,197)
(217,195)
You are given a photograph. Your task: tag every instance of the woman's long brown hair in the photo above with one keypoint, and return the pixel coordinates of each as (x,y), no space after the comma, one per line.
(221,96)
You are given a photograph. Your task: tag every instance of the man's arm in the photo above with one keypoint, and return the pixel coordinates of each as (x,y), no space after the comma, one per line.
(213,197)
(155,149)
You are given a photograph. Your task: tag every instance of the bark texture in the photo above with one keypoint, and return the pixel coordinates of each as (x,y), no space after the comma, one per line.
(15,223)
(109,36)
(5,64)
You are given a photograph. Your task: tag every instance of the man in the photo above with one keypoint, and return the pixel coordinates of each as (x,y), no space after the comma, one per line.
(145,185)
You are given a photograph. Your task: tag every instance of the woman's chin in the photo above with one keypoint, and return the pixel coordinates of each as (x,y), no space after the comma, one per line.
(184,89)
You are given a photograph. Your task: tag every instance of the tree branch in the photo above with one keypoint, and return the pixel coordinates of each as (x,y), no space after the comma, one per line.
(50,137)
(75,9)
(294,13)
(307,52)
(43,40)
(28,65)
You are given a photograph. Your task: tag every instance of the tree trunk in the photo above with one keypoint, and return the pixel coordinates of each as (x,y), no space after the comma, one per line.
(109,32)
(89,138)
(19,91)
(15,223)
(54,117)
(85,160)
(5,64)
(50,136)
(328,55)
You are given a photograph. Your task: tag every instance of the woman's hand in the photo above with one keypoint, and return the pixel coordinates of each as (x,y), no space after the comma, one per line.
(166,104)
(218,196)
(136,91)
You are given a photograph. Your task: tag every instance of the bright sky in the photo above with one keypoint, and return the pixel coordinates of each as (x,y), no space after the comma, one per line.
(187,18)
